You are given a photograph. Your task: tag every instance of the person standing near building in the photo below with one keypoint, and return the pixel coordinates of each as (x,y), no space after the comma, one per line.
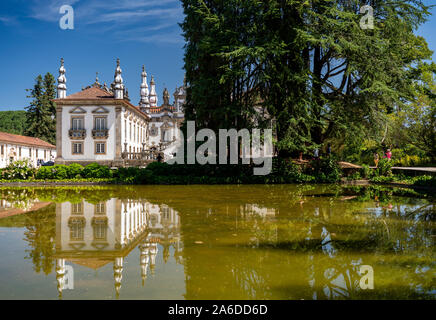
(376,159)
(389,154)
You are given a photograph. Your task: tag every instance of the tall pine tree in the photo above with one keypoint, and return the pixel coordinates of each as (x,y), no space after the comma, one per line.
(317,72)
(40,114)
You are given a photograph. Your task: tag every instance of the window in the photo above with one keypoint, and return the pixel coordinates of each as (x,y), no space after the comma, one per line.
(19,151)
(77,148)
(45,153)
(77,229)
(100,230)
(3,150)
(100,208)
(100,148)
(100,123)
(167,135)
(154,131)
(77,123)
(77,208)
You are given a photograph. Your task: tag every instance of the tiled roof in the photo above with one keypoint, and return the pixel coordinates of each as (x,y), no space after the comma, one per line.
(91,93)
(15,211)
(23,140)
(95,93)
(93,263)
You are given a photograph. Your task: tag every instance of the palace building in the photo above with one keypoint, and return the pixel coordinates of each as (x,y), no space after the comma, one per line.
(14,147)
(100,124)
(95,235)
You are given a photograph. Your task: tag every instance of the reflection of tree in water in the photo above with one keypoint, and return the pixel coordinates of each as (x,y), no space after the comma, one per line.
(312,248)
(40,235)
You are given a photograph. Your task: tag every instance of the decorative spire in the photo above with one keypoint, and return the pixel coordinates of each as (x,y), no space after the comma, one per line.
(105,87)
(144,102)
(118,82)
(60,275)
(153,96)
(62,87)
(144,261)
(153,253)
(118,274)
(96,83)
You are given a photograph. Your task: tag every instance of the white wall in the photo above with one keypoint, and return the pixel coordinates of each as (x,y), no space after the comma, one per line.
(89,142)
(130,124)
(88,214)
(135,216)
(174,132)
(33,157)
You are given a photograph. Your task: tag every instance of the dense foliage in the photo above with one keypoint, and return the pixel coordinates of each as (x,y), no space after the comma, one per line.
(73,171)
(323,170)
(312,73)
(18,170)
(13,121)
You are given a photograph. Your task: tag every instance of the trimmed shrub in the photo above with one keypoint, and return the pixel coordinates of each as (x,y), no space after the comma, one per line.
(58,172)
(44,173)
(96,171)
(164,169)
(74,171)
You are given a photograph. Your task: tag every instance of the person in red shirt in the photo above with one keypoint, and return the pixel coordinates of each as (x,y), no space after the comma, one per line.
(389,154)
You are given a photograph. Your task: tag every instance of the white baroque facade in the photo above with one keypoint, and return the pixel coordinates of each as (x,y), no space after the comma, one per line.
(165,120)
(100,124)
(94,235)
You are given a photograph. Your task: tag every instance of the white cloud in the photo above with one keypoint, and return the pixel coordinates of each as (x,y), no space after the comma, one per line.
(169,38)
(48,10)
(131,16)
(8,20)
(120,16)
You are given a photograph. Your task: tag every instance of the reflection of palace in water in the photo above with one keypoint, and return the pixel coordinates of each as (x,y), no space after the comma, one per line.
(94,235)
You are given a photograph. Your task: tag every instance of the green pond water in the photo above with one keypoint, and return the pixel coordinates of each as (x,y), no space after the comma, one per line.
(216,242)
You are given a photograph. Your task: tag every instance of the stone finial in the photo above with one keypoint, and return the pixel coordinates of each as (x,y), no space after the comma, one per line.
(118,82)
(153,96)
(144,102)
(62,82)
(96,83)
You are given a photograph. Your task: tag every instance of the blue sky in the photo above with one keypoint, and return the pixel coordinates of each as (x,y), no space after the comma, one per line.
(136,31)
